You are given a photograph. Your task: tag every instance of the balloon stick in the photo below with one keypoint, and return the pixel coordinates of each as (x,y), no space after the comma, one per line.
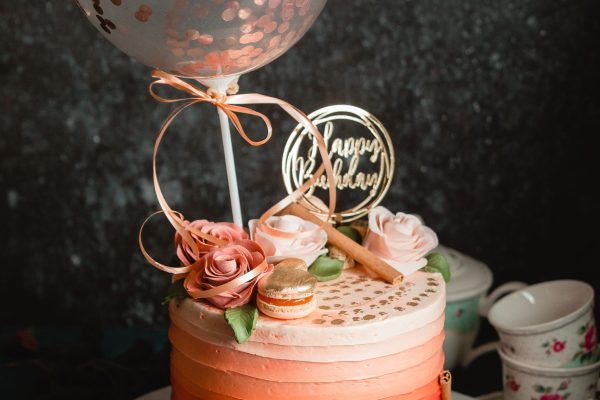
(234,195)
(221,85)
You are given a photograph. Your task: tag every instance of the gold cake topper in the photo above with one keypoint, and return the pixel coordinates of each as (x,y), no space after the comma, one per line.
(359,163)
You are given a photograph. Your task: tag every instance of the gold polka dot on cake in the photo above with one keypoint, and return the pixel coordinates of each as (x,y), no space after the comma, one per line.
(337,322)
(355,318)
(358,290)
(399,308)
(366,298)
(383,302)
(357,310)
(431,279)
(318,321)
(423,295)
(368,317)
(416,298)
(378,292)
(334,291)
(343,312)
(433,284)
(324,307)
(412,303)
(430,290)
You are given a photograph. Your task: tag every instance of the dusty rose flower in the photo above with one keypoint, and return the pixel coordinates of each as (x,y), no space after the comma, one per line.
(401,240)
(308,246)
(590,339)
(224,264)
(558,346)
(221,230)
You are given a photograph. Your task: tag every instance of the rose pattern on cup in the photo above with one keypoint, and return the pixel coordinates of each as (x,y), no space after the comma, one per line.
(554,346)
(588,351)
(548,392)
(563,347)
(511,383)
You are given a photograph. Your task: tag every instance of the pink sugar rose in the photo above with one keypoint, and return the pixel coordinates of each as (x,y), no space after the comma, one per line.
(223,265)
(307,244)
(401,240)
(558,346)
(590,339)
(221,230)
(553,396)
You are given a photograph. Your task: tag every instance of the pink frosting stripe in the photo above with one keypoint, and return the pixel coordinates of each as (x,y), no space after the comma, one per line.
(356,352)
(224,359)
(249,388)
(182,390)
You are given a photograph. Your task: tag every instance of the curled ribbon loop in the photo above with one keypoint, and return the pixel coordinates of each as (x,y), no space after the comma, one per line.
(231,105)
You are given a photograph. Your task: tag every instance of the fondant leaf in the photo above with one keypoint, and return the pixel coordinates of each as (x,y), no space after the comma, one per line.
(325,268)
(176,292)
(438,263)
(242,321)
(351,233)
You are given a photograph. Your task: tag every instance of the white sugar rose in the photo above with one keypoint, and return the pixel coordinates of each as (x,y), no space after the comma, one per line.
(288,236)
(401,240)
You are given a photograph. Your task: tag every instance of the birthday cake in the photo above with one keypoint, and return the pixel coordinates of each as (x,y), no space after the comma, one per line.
(366,340)
(308,303)
(299,308)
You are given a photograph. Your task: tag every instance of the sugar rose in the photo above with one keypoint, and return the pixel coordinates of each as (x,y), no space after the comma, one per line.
(221,230)
(307,242)
(401,240)
(225,264)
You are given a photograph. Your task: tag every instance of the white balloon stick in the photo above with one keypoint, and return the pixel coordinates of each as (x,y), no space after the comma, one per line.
(234,195)
(221,85)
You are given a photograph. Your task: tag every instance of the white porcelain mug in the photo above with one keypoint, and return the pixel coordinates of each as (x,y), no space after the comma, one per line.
(462,321)
(548,325)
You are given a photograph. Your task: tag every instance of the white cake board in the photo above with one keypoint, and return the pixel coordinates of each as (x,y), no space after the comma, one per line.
(165,394)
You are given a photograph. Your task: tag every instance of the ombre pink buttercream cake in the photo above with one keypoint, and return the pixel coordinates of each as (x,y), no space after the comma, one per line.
(367,340)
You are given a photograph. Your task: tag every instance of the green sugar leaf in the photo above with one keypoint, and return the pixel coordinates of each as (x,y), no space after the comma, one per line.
(351,233)
(242,321)
(326,268)
(176,292)
(438,263)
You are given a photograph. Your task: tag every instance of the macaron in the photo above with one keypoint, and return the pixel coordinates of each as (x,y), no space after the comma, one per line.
(287,293)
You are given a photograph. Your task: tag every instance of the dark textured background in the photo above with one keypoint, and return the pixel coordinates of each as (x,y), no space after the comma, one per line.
(492,106)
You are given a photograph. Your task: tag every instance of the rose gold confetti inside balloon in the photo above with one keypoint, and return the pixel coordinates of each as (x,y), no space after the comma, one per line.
(203,38)
(214,41)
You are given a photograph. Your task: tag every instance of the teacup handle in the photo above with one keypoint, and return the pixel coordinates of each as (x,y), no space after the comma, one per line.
(479,351)
(489,300)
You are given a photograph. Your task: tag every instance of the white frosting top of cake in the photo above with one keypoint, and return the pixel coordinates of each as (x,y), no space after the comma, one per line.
(352,310)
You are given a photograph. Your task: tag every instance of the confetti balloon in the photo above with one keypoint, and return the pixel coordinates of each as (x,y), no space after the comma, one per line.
(203,38)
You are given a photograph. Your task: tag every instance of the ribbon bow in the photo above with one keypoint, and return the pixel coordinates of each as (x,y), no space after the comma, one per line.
(231,106)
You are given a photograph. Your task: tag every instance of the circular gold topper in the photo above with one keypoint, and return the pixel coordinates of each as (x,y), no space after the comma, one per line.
(363,163)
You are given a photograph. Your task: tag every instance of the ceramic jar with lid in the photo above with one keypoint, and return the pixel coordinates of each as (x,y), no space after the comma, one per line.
(466,301)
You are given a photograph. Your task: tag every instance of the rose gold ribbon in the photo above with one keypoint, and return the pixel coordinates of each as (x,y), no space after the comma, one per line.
(231,106)
(226,287)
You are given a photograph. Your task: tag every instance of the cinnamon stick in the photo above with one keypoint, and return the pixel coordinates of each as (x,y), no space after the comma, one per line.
(446,385)
(360,254)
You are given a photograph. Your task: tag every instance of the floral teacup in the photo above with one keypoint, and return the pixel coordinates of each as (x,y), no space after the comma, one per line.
(550,324)
(523,382)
